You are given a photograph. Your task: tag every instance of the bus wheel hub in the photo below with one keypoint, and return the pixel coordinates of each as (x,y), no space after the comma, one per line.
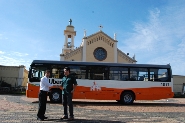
(127,98)
(55,96)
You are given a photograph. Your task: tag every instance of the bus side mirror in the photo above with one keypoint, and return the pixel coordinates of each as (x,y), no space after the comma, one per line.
(29,75)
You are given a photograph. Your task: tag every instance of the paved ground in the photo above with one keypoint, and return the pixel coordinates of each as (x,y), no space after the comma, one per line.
(23,110)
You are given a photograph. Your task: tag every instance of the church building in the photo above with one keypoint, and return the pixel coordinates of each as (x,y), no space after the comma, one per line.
(98,47)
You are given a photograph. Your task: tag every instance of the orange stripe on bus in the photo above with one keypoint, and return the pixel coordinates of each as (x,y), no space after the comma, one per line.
(81,92)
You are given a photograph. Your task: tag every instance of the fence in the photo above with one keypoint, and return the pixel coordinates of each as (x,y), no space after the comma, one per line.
(13,81)
(19,89)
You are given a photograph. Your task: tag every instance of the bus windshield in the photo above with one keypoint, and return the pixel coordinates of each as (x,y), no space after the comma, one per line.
(36,73)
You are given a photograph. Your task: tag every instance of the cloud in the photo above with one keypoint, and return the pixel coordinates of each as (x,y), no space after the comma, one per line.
(1,52)
(151,36)
(160,40)
(1,36)
(176,59)
(19,54)
(11,61)
(14,59)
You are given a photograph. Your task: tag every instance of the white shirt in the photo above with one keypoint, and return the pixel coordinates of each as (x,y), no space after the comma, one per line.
(44,84)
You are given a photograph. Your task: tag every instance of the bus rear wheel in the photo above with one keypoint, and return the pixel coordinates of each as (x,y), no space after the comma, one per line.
(127,98)
(55,96)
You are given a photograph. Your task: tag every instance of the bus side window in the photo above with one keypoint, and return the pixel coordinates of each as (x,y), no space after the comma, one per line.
(159,75)
(138,74)
(78,71)
(118,73)
(55,73)
(126,78)
(141,78)
(133,78)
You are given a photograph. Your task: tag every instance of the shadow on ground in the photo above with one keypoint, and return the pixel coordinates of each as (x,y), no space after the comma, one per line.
(84,121)
(140,104)
(13,94)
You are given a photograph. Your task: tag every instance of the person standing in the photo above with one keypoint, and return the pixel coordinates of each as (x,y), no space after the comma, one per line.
(44,88)
(69,84)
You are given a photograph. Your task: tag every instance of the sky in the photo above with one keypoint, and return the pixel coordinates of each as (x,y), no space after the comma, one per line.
(152,30)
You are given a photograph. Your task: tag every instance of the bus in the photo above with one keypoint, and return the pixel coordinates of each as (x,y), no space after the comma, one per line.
(122,82)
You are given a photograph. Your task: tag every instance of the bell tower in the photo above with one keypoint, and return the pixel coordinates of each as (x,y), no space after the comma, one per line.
(69,34)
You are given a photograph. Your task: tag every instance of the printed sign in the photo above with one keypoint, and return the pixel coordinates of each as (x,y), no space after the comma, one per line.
(95,87)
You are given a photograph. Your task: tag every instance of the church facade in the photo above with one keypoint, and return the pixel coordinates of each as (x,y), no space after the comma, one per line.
(98,47)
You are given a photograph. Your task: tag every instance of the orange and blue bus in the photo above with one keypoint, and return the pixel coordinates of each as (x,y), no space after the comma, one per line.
(122,82)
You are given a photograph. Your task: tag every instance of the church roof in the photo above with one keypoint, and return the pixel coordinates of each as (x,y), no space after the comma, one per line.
(113,40)
(126,55)
(99,33)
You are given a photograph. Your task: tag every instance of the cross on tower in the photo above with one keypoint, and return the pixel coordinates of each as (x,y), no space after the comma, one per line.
(84,33)
(70,21)
(114,36)
(100,27)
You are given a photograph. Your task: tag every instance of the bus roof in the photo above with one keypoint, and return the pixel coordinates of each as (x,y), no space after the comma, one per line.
(51,62)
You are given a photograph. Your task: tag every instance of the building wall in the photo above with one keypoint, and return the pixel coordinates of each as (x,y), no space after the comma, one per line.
(99,41)
(13,75)
(20,76)
(86,50)
(75,55)
(6,71)
(123,58)
(178,83)
(25,76)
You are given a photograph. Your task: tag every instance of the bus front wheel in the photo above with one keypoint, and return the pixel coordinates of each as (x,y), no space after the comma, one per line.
(55,96)
(127,97)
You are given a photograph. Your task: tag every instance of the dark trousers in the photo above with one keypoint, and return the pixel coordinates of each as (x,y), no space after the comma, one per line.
(42,103)
(67,101)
